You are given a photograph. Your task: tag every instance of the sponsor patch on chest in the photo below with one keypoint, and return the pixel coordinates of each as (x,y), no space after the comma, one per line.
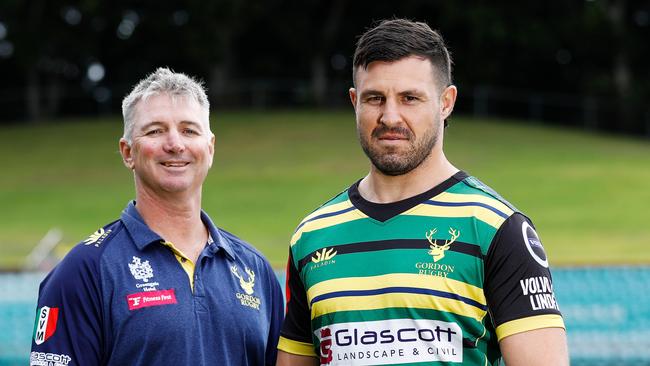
(151,298)
(392,341)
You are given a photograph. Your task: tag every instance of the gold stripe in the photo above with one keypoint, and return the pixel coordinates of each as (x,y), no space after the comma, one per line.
(328,209)
(529,323)
(481,213)
(327,222)
(395,300)
(295,347)
(185,262)
(398,280)
(456,197)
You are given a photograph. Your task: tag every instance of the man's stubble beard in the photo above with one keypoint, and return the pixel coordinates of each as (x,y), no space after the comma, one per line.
(390,162)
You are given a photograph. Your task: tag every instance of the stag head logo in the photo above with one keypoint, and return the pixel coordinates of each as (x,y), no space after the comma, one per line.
(246,285)
(438,251)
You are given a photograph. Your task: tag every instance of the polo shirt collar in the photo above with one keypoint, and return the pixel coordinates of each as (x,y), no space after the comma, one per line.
(143,236)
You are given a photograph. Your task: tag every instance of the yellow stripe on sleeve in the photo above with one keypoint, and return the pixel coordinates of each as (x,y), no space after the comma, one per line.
(456,198)
(529,323)
(295,347)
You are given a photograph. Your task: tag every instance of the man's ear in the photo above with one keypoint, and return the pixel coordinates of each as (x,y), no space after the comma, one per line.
(353,97)
(127,153)
(211,148)
(447,101)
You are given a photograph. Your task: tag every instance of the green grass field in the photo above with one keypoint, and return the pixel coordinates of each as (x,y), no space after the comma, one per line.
(587,194)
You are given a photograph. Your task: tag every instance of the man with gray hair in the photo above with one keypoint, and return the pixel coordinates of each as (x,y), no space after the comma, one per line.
(163,284)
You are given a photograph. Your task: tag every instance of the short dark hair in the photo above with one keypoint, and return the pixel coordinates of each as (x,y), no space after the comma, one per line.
(393,39)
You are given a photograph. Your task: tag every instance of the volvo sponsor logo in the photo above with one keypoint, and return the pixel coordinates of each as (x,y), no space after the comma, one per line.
(539,290)
(391,341)
(533,244)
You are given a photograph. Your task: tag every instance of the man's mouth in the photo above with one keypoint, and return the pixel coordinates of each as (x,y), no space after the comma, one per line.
(174,164)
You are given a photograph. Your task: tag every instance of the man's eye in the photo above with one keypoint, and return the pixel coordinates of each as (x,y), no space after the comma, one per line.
(410,98)
(157,131)
(375,99)
(189,131)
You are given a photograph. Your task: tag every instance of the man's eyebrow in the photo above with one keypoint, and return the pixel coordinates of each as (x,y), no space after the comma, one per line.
(370,92)
(151,124)
(412,92)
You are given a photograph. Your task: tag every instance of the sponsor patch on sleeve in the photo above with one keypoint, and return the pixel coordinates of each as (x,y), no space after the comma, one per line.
(45,326)
(533,244)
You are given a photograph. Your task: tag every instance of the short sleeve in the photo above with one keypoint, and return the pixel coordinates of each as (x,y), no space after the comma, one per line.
(295,336)
(518,281)
(277,314)
(68,325)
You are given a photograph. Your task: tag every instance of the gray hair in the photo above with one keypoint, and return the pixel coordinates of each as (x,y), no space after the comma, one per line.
(163,81)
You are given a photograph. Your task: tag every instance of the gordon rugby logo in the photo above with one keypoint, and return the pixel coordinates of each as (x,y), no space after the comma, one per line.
(46,319)
(436,250)
(248,298)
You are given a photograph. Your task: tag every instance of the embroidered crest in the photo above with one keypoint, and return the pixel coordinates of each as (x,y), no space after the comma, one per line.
(141,270)
(246,285)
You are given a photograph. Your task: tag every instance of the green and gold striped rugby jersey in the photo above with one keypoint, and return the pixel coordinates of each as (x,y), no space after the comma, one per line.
(439,277)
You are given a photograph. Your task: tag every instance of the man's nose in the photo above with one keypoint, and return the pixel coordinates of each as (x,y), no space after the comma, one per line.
(174,142)
(390,113)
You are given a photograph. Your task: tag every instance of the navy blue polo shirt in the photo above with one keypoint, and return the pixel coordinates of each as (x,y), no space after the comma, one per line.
(123,297)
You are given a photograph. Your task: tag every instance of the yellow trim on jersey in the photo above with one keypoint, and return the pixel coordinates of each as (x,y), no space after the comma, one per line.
(481,213)
(529,323)
(185,262)
(328,209)
(395,300)
(458,197)
(327,222)
(398,280)
(295,347)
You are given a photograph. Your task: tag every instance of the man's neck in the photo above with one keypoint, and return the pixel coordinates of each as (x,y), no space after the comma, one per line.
(380,188)
(176,219)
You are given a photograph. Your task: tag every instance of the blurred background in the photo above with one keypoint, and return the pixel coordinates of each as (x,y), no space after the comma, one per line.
(553,113)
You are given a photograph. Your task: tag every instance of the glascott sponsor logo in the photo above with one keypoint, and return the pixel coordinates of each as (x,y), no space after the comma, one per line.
(391,341)
(46,319)
(151,298)
(48,359)
(539,290)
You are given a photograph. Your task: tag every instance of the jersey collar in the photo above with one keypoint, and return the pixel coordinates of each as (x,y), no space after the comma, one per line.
(143,236)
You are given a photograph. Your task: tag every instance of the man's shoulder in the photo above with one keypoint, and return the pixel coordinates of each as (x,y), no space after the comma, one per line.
(92,247)
(341,201)
(473,187)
